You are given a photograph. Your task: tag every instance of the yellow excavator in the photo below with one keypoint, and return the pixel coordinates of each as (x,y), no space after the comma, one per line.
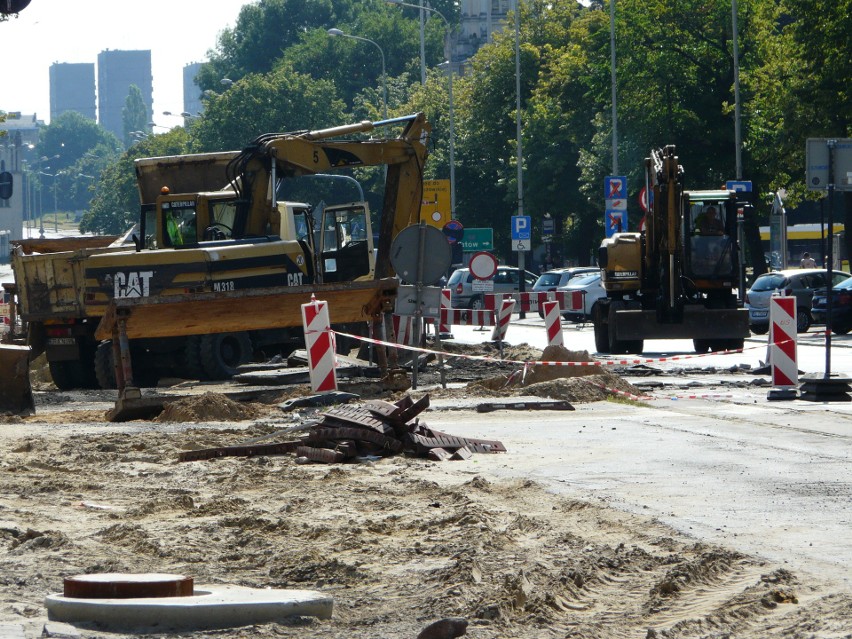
(217,228)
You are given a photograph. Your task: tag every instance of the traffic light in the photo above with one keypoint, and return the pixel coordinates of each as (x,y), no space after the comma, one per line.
(13,6)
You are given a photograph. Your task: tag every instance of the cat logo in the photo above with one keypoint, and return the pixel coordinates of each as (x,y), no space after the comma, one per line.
(294,279)
(132,284)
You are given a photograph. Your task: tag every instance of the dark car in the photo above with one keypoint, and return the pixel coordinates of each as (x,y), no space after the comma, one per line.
(841,307)
(800,283)
(463,295)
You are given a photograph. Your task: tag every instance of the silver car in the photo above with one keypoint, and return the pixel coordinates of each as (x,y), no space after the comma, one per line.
(558,278)
(799,282)
(506,280)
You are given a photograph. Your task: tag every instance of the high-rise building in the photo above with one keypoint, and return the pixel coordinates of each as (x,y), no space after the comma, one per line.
(117,71)
(191,91)
(72,88)
(480,19)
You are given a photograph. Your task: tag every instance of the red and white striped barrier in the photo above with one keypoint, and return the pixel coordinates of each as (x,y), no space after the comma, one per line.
(569,301)
(319,343)
(466,317)
(553,323)
(403,328)
(782,339)
(504,316)
(446,303)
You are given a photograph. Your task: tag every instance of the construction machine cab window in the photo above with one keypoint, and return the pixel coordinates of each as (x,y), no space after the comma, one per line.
(711,247)
(181,224)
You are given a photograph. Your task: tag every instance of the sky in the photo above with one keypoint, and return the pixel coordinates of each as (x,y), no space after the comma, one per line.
(177,32)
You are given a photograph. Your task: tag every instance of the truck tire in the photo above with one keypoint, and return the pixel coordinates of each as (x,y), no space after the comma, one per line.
(104,368)
(601,330)
(223,353)
(803,320)
(191,360)
(70,374)
(701,345)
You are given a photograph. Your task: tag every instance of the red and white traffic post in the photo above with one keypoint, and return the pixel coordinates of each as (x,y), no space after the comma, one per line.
(782,350)
(319,343)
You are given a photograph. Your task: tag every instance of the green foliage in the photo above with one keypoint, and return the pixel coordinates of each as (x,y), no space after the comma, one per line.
(134,115)
(115,207)
(283,100)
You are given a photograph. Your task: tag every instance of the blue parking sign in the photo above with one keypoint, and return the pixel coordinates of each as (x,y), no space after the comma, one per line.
(521,227)
(615,187)
(615,222)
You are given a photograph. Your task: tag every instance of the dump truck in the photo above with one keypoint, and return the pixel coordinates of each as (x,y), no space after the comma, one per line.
(217,227)
(676,278)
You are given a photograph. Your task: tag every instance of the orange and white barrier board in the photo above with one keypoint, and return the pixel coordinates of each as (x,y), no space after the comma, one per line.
(782,340)
(319,343)
(553,323)
(403,328)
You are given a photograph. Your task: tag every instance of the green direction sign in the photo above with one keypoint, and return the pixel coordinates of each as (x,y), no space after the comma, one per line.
(478,240)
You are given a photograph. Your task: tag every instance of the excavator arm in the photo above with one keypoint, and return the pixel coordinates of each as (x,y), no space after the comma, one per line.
(270,157)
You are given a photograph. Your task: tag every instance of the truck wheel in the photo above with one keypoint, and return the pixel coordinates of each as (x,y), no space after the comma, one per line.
(69,374)
(803,320)
(601,330)
(701,345)
(222,353)
(104,368)
(634,347)
(192,368)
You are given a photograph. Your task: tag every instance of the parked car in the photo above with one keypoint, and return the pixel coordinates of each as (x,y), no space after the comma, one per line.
(592,290)
(558,278)
(506,280)
(841,307)
(800,283)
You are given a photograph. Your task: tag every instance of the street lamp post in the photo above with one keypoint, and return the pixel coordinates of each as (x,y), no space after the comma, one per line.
(339,33)
(450,95)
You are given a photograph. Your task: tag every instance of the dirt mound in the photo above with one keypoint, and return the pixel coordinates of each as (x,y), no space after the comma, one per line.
(538,374)
(208,407)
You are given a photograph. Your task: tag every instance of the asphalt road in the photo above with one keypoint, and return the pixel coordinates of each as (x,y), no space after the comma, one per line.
(708,455)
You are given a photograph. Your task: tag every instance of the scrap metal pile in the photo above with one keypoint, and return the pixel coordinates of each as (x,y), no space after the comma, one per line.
(375,429)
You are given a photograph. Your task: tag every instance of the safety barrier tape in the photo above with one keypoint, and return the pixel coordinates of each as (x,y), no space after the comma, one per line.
(599,362)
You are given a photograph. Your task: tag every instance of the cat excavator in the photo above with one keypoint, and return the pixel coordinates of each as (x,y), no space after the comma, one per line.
(218,229)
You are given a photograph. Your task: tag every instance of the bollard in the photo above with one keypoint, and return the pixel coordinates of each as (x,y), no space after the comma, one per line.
(553,323)
(319,344)
(782,350)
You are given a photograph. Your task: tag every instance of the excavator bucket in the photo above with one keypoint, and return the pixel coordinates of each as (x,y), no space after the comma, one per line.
(16,395)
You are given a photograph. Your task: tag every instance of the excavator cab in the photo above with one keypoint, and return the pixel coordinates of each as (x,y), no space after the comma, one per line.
(710,230)
(346,243)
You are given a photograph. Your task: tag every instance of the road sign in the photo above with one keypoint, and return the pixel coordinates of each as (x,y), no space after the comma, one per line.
(618,204)
(477,240)
(615,187)
(435,204)
(743,186)
(405,254)
(483,265)
(615,221)
(521,245)
(817,164)
(454,231)
(522,228)
(548,226)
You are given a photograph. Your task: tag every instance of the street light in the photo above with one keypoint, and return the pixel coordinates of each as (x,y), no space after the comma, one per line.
(338,32)
(450,95)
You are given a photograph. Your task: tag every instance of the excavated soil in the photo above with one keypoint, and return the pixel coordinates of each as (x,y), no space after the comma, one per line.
(398,543)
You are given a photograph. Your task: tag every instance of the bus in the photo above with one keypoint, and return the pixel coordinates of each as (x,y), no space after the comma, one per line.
(806,238)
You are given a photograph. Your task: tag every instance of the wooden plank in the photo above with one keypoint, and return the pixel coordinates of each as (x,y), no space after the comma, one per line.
(246,310)
(59,244)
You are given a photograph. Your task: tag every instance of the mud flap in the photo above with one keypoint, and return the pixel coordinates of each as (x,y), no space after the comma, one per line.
(16,394)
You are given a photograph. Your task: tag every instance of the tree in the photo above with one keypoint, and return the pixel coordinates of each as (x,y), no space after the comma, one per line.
(280,101)
(134,115)
(115,207)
